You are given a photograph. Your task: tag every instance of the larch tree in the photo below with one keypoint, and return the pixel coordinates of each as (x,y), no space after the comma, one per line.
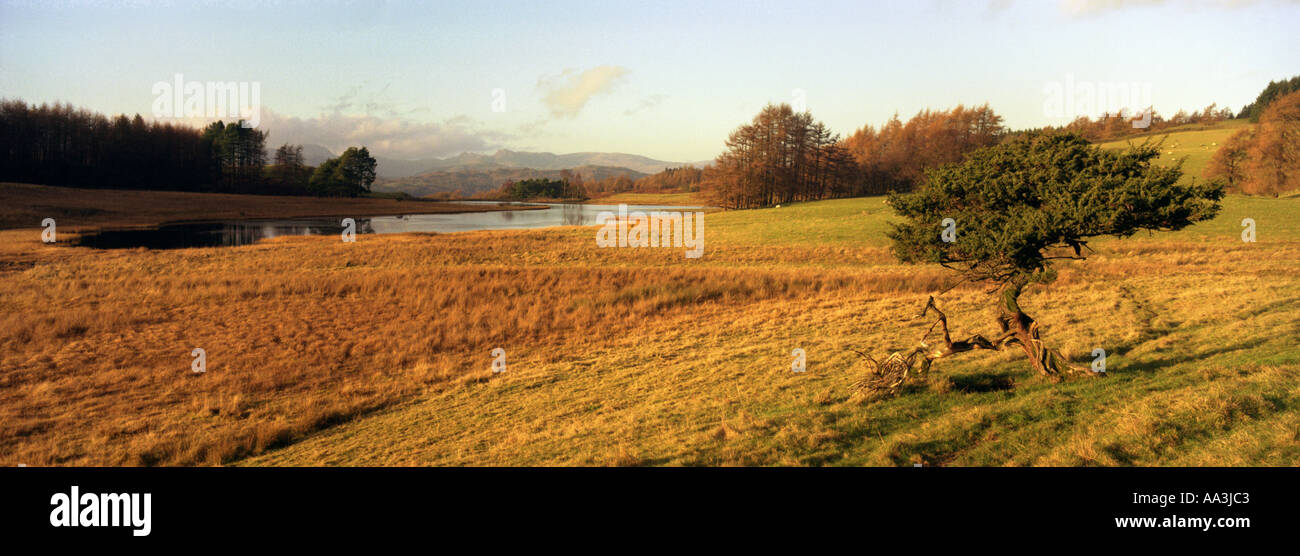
(1263,159)
(1230,162)
(894,158)
(781,156)
(1274,154)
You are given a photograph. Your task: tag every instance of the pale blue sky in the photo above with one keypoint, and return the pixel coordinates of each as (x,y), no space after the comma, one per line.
(679,75)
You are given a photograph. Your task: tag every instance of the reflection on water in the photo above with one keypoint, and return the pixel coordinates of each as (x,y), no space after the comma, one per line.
(243,232)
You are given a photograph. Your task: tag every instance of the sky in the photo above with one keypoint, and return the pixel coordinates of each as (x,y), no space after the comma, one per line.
(666,79)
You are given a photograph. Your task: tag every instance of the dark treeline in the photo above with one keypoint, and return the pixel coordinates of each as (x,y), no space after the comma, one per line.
(61,145)
(569,186)
(240,155)
(1272,92)
(66,146)
(348,175)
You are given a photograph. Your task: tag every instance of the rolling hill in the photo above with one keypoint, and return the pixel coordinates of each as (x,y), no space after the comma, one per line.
(1193,144)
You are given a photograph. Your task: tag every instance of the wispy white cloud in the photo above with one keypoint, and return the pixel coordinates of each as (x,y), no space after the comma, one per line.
(566,94)
(362,117)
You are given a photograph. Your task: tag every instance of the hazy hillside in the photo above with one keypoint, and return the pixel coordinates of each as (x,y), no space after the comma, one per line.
(550,161)
(507,159)
(486,176)
(314,155)
(400,168)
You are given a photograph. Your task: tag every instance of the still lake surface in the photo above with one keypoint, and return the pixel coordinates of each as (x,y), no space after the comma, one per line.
(231,233)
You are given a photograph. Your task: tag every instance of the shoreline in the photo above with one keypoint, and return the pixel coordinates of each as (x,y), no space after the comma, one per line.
(25,206)
(627,198)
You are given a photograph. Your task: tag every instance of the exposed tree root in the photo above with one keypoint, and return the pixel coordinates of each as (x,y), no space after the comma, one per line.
(1017,329)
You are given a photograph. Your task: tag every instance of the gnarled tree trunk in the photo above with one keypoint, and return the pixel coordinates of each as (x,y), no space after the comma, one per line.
(1023,330)
(1017,328)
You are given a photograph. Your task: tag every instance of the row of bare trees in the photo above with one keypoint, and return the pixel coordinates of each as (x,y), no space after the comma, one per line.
(58,144)
(784,156)
(1121,124)
(685,179)
(893,157)
(781,156)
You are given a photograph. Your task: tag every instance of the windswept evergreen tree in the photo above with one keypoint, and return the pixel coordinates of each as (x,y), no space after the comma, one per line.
(1018,206)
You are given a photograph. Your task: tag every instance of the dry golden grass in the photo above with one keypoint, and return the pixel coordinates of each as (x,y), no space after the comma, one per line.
(377,352)
(303,332)
(695,198)
(713,387)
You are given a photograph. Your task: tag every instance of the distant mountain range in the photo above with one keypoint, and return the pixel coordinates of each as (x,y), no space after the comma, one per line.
(314,155)
(470,180)
(551,161)
(472,173)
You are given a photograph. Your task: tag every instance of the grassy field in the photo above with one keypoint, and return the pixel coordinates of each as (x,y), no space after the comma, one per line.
(1193,144)
(378,352)
(690,199)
